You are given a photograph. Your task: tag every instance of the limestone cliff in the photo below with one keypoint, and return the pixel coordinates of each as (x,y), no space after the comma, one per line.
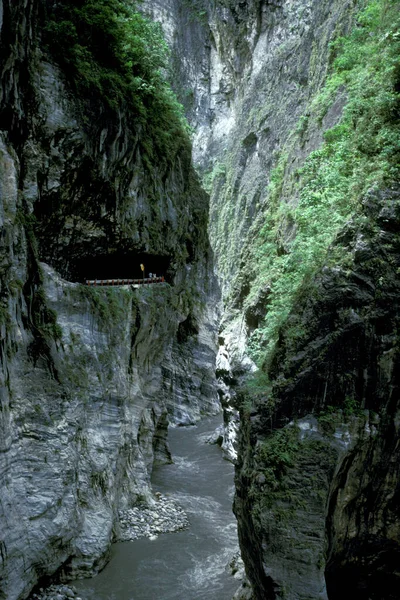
(89,377)
(295,109)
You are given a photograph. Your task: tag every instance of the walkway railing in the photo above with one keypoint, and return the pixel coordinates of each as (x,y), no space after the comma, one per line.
(140,281)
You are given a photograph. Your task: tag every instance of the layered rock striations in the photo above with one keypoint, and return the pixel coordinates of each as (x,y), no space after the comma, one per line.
(294,106)
(316,475)
(250,70)
(90,377)
(247,74)
(296,145)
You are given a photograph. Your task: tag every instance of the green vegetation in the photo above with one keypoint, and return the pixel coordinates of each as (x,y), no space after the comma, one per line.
(196,9)
(255,390)
(111,53)
(43,318)
(110,305)
(289,475)
(274,458)
(330,418)
(277,454)
(218,170)
(110,311)
(308,207)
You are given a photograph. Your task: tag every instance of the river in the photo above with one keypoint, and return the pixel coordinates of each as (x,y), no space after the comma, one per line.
(191,564)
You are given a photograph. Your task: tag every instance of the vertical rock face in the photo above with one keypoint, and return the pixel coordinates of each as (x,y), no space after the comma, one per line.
(89,377)
(246,73)
(317,471)
(249,82)
(319,497)
(93,374)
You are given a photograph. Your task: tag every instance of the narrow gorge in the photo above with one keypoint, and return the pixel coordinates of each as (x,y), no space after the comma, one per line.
(247,154)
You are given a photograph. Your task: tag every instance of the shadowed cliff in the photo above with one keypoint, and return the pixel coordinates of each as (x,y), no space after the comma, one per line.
(90,378)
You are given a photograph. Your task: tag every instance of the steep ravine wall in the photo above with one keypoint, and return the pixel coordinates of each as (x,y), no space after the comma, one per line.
(317,471)
(89,377)
(247,73)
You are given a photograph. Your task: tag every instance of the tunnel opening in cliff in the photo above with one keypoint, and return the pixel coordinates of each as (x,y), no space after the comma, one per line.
(120,265)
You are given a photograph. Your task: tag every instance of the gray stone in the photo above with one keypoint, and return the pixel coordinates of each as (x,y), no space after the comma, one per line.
(86,401)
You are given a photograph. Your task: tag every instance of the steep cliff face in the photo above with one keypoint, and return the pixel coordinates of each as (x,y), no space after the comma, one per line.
(308,513)
(295,109)
(248,75)
(260,64)
(319,497)
(89,377)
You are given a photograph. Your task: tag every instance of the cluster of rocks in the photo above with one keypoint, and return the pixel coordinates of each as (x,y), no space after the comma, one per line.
(165,516)
(56,592)
(236,568)
(217,436)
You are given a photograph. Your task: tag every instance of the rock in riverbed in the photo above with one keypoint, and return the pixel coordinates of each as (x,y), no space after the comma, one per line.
(165,516)
(56,592)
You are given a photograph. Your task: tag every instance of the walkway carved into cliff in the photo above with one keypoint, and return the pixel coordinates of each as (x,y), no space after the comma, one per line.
(119,282)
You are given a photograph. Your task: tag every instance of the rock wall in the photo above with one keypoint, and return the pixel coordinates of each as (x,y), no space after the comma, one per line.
(90,377)
(317,451)
(246,73)
(250,68)
(316,474)
(317,491)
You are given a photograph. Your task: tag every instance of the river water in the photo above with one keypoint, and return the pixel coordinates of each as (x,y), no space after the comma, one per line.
(187,565)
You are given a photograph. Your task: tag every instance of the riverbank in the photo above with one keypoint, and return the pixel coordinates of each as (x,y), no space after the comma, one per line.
(193,499)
